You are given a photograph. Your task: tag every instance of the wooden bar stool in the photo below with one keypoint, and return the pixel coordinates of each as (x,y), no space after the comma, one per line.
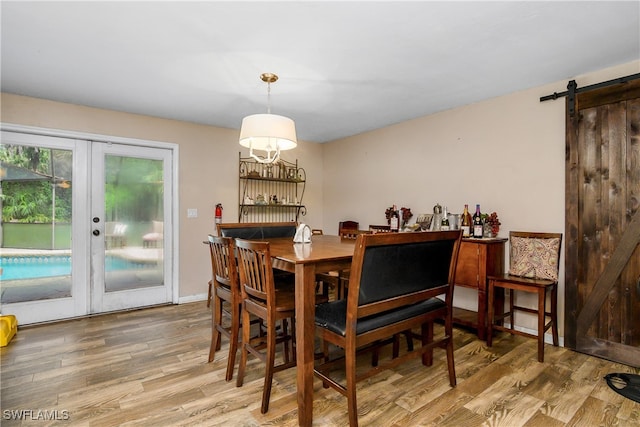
(534,260)
(225,289)
(261,299)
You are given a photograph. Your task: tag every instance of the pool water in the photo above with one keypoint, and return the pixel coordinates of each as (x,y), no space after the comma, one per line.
(33,267)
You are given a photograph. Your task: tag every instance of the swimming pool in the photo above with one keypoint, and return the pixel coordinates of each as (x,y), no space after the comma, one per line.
(33,267)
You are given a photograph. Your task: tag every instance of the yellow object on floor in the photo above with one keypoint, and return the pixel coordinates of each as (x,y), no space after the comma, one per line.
(8,328)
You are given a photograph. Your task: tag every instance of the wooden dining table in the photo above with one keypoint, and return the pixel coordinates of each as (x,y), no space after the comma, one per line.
(324,253)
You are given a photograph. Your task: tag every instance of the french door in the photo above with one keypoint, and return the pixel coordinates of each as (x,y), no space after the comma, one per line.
(86,226)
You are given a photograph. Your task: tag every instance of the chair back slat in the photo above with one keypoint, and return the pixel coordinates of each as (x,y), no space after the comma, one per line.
(223,261)
(256,273)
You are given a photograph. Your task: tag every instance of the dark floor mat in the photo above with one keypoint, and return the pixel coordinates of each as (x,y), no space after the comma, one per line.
(627,385)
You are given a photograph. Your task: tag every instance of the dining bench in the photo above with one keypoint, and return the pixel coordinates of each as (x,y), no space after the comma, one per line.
(256,230)
(399,282)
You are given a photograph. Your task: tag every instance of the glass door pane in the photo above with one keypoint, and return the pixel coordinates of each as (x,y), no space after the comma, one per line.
(36,198)
(129,233)
(134,229)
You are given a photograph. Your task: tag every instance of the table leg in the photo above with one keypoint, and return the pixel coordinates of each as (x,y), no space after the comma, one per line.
(305,333)
(482,314)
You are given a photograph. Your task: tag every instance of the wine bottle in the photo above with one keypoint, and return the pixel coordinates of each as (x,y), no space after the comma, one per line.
(395,219)
(477,223)
(444,225)
(466,222)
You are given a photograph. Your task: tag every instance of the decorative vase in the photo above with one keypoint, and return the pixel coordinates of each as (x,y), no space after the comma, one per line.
(487,231)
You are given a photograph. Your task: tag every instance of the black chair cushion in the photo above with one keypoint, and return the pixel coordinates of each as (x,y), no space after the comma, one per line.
(333,315)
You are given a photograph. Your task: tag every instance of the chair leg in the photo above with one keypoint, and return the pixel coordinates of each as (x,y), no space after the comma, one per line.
(541,318)
(512,313)
(209,295)
(216,319)
(246,338)
(554,314)
(350,368)
(450,363)
(409,335)
(490,313)
(233,341)
(285,332)
(396,347)
(427,338)
(270,361)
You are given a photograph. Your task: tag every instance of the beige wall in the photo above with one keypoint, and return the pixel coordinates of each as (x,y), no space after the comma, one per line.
(506,153)
(208,169)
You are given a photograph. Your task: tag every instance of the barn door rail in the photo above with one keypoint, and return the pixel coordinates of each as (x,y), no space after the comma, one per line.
(573,90)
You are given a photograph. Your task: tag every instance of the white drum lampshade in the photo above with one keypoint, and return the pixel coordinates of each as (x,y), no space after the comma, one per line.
(267,132)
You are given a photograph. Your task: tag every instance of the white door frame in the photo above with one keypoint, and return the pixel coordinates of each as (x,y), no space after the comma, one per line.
(82,211)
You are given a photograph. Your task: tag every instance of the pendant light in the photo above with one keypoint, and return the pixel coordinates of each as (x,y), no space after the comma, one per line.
(267,132)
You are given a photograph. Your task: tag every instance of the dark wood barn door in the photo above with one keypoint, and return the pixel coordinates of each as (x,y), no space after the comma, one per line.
(602,262)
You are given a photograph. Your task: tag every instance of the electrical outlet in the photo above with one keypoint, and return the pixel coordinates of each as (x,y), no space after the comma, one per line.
(192,213)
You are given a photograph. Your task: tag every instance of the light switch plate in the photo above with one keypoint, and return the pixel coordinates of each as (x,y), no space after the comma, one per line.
(192,213)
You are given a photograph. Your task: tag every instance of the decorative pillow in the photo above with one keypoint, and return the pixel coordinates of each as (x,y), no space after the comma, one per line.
(536,258)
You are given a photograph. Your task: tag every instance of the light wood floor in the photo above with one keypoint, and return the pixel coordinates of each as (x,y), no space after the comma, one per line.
(149,368)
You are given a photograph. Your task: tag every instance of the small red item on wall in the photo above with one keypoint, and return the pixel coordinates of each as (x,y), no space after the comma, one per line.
(218,213)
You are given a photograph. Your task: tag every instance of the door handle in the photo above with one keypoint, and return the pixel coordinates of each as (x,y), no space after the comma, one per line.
(96,232)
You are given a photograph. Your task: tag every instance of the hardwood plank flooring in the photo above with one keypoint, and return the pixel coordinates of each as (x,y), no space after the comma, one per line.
(149,368)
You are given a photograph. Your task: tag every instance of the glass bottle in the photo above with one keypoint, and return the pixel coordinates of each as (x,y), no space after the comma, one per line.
(395,219)
(444,225)
(477,223)
(466,222)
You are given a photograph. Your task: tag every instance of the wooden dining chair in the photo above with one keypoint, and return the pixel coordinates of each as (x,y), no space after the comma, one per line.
(225,289)
(534,263)
(399,281)
(261,299)
(352,233)
(348,225)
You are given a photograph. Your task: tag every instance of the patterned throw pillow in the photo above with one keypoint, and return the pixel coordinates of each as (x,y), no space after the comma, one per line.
(532,257)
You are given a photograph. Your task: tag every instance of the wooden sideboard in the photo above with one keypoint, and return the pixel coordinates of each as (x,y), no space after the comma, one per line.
(478,259)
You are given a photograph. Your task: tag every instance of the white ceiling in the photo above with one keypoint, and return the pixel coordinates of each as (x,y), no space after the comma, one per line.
(345,67)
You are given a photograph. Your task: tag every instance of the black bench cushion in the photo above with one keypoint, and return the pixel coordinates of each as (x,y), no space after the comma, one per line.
(279,231)
(258,233)
(247,233)
(392,270)
(333,315)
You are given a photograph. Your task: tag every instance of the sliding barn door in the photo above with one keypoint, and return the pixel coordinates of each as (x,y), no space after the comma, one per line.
(602,265)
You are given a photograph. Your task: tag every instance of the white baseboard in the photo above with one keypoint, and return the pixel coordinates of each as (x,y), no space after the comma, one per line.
(192,298)
(548,339)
